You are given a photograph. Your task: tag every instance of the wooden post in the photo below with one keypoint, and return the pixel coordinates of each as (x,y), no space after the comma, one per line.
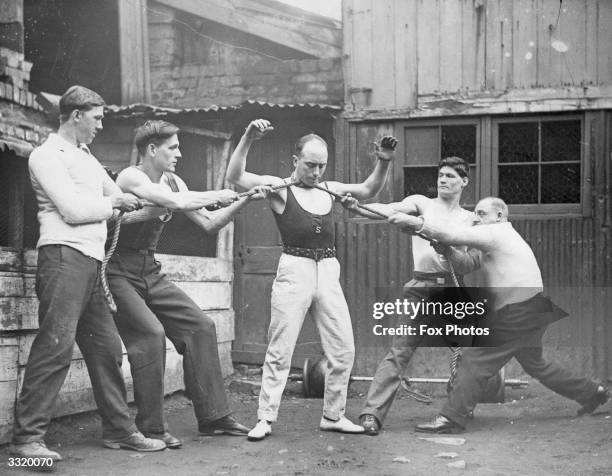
(134,52)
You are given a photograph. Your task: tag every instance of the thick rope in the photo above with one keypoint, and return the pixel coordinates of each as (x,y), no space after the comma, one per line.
(103,279)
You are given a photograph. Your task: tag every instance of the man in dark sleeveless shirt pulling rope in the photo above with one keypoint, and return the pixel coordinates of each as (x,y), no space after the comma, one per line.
(150,307)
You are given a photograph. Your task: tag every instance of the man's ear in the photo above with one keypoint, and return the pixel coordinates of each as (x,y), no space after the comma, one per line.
(466,181)
(151,148)
(75,115)
(295,159)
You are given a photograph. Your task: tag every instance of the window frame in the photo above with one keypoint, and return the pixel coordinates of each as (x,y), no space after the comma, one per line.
(476,179)
(486,176)
(544,210)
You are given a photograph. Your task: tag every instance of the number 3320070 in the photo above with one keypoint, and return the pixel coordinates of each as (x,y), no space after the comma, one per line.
(31,462)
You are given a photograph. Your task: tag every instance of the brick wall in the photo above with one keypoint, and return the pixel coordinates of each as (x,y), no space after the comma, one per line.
(197,68)
(25,123)
(282,82)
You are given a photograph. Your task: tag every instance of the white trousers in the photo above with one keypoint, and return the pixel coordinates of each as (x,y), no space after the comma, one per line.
(303,285)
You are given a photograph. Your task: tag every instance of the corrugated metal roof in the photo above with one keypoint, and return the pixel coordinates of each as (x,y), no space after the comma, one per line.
(20,147)
(148,109)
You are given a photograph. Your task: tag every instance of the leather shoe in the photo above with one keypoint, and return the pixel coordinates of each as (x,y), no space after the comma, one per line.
(600,397)
(370,424)
(137,442)
(224,426)
(260,431)
(439,424)
(33,449)
(342,425)
(172,442)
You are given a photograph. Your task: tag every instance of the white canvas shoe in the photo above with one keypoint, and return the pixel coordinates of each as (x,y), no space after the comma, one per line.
(260,431)
(343,425)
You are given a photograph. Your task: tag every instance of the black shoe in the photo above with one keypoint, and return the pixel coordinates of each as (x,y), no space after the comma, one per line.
(370,424)
(439,424)
(224,426)
(601,396)
(172,442)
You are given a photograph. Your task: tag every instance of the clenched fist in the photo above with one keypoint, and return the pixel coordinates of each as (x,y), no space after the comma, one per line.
(126,202)
(226,197)
(258,128)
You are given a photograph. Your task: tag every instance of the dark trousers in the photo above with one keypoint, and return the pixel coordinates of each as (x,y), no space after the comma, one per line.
(478,364)
(72,306)
(150,307)
(387,378)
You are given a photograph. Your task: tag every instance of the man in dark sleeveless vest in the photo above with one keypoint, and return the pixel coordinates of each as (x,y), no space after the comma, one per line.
(150,307)
(308,273)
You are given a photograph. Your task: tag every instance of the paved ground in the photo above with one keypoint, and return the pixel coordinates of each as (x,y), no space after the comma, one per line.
(534,433)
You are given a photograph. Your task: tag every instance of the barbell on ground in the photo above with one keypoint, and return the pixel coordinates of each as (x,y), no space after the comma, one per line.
(314,371)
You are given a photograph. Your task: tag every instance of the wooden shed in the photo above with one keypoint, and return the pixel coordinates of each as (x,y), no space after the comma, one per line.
(523,91)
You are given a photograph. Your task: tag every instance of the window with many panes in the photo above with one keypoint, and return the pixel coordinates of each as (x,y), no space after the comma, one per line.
(534,163)
(538,162)
(423,148)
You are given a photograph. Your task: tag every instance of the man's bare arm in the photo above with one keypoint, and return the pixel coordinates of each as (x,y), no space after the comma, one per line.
(464,261)
(480,237)
(137,182)
(212,221)
(144,214)
(413,204)
(236,168)
(385,152)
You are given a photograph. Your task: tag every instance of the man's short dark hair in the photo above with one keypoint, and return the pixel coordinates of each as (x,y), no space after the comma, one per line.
(78,97)
(457,164)
(153,132)
(302,141)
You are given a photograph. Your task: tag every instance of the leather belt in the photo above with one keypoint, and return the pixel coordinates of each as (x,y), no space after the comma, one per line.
(438,278)
(316,254)
(145,252)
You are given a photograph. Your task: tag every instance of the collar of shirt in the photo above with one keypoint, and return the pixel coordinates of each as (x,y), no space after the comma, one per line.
(63,145)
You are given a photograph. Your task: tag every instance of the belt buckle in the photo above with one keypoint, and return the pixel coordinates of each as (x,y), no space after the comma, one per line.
(316,254)
(440,280)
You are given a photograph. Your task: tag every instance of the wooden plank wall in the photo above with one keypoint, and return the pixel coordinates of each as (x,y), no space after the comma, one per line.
(400,49)
(134,51)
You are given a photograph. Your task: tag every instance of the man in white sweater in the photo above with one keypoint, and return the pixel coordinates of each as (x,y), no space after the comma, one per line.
(521,314)
(75,198)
